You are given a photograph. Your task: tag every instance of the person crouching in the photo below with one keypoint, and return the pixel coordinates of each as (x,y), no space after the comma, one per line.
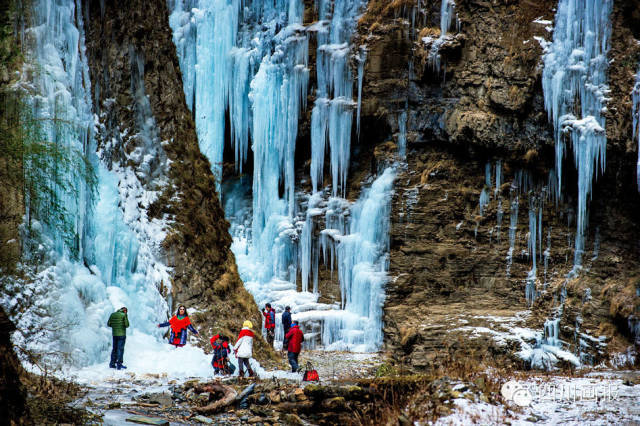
(220,361)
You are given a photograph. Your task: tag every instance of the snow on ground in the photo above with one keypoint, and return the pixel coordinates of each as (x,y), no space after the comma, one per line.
(145,356)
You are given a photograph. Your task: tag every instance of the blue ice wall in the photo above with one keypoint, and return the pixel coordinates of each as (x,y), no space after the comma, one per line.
(246,66)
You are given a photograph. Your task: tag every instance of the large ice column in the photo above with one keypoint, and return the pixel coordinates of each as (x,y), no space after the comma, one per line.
(574,82)
(635,114)
(362,258)
(332,115)
(249,64)
(278,92)
(204,37)
(309,246)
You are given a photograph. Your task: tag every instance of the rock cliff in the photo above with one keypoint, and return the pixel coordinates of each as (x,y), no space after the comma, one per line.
(453,286)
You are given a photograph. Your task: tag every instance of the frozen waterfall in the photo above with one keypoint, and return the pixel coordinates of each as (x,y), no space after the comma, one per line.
(250,71)
(113,260)
(575,70)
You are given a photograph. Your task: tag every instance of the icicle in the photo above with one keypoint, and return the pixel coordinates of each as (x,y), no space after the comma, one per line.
(402,135)
(513,228)
(484,201)
(547,255)
(596,245)
(530,291)
(447,14)
(487,175)
(335,85)
(498,177)
(319,134)
(362,58)
(575,70)
(499,214)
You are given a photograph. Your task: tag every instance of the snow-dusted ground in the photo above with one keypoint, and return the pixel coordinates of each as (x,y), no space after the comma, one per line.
(598,398)
(144,356)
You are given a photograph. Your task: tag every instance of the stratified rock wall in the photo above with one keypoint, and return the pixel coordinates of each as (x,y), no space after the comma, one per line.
(451,276)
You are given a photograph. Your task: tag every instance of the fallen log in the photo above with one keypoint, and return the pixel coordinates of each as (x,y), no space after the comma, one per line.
(228,397)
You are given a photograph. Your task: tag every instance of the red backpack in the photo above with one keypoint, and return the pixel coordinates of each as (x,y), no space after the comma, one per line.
(310,375)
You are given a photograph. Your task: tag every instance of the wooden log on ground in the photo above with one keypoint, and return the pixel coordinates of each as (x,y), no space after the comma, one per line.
(228,397)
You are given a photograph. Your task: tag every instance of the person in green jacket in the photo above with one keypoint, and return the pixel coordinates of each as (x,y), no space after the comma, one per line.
(118,322)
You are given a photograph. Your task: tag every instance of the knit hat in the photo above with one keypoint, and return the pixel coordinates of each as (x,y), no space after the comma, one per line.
(247,324)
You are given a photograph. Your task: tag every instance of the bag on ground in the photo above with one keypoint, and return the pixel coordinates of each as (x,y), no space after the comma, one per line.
(310,374)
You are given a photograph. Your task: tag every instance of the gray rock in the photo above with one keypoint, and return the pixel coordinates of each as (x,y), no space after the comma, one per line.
(202,419)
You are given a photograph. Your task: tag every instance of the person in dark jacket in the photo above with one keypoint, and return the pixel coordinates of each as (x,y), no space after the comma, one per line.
(294,338)
(270,323)
(220,361)
(179,324)
(119,322)
(286,324)
(286,319)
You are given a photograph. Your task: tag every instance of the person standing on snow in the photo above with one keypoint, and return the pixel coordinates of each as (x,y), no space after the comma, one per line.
(270,323)
(286,319)
(244,348)
(286,324)
(119,322)
(294,337)
(179,323)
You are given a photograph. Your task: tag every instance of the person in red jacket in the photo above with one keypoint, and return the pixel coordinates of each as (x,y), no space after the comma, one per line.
(294,337)
(179,324)
(270,323)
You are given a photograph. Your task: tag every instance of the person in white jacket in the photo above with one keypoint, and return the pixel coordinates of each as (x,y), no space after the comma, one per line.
(244,348)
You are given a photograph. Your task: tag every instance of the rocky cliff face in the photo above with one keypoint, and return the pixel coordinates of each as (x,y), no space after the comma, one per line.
(454,287)
(131,57)
(12,393)
(11,198)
